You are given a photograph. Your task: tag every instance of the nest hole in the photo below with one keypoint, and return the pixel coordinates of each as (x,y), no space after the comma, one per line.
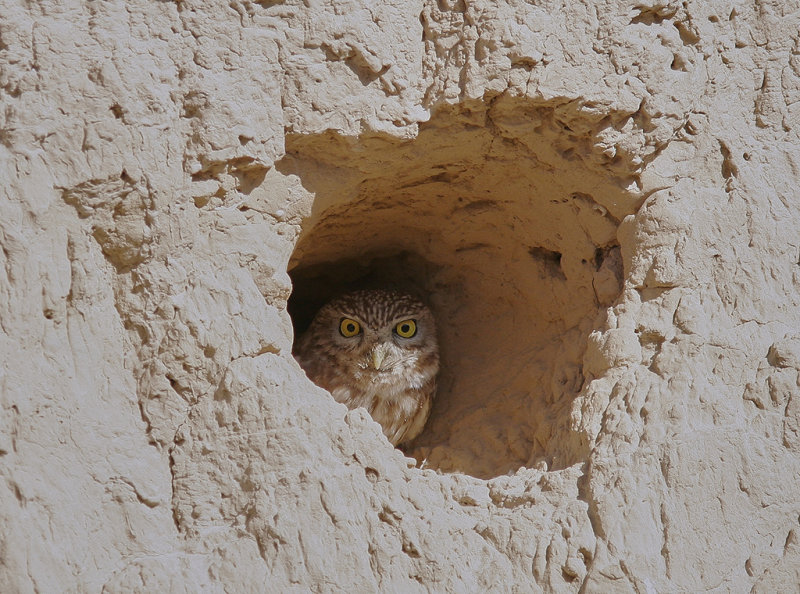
(513,245)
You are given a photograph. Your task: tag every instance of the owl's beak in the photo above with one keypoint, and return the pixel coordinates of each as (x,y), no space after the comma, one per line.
(378,355)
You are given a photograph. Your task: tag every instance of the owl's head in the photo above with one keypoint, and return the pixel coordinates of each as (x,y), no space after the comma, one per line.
(383,332)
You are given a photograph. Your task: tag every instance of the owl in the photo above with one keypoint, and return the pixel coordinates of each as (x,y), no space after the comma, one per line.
(376,349)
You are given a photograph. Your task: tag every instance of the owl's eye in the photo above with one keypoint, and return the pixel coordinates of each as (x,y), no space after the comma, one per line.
(349,328)
(406,328)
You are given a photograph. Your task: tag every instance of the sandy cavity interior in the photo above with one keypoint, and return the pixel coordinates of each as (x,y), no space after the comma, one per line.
(499,216)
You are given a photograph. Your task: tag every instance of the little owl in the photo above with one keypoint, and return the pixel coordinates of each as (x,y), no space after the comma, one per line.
(376,349)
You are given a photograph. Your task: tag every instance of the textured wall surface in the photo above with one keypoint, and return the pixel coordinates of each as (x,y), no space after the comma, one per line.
(600,200)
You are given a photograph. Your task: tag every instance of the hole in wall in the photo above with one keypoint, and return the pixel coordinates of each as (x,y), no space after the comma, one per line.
(503,218)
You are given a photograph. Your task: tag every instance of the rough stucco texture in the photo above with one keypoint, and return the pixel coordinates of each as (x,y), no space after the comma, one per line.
(600,200)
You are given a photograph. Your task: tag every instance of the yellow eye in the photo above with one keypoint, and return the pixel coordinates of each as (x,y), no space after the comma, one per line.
(406,328)
(349,328)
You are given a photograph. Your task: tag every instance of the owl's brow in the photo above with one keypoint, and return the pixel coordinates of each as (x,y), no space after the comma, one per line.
(378,308)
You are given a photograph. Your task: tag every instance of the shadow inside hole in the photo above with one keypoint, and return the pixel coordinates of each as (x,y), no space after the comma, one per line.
(315,285)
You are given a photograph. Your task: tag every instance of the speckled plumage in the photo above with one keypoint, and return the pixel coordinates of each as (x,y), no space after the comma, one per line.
(398,391)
